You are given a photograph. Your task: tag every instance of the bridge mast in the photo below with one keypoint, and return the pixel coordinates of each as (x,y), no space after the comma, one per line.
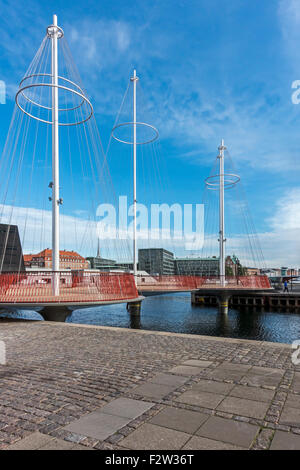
(221,215)
(134,79)
(54,32)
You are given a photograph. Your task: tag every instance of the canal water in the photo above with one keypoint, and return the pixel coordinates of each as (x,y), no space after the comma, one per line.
(174,313)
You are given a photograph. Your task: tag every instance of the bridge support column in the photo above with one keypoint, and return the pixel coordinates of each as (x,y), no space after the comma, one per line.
(58,313)
(223,300)
(134,308)
(135,322)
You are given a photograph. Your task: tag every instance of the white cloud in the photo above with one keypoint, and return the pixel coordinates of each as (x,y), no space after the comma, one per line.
(287,212)
(289,21)
(281,245)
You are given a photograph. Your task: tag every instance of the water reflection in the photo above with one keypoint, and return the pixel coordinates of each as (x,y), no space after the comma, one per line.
(175,313)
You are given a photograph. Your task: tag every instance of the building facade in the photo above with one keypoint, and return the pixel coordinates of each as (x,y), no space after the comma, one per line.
(103,264)
(156,261)
(252,271)
(67,260)
(197,266)
(205,266)
(11,255)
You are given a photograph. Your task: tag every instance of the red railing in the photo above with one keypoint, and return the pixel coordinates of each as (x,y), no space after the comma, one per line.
(79,287)
(167,283)
(186,283)
(86,287)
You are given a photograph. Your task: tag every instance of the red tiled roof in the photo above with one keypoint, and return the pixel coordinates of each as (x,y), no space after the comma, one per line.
(27,257)
(47,253)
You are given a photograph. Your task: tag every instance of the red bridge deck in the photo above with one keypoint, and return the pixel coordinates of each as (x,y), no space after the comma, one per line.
(74,288)
(189,283)
(87,288)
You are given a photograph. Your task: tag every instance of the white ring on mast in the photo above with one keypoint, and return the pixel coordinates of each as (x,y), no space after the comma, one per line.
(49,75)
(156,134)
(85,99)
(213,182)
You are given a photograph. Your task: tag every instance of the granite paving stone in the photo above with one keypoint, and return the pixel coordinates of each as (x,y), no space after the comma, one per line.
(150,436)
(267,371)
(202,443)
(197,363)
(285,441)
(293,401)
(230,366)
(252,393)
(126,407)
(186,370)
(179,419)
(212,387)
(243,407)
(256,377)
(59,444)
(290,416)
(35,440)
(168,379)
(153,390)
(227,374)
(98,425)
(202,399)
(296,382)
(227,430)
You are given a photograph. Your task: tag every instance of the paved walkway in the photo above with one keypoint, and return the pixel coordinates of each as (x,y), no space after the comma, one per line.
(69,386)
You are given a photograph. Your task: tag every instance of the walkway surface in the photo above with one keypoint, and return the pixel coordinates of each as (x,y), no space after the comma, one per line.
(69,386)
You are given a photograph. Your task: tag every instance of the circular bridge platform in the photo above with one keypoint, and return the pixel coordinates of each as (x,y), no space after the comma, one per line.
(76,290)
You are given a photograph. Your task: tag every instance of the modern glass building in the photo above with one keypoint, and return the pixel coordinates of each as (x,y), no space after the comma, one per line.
(156,261)
(196,266)
(11,255)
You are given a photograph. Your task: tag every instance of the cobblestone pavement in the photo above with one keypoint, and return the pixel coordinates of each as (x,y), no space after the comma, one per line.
(77,386)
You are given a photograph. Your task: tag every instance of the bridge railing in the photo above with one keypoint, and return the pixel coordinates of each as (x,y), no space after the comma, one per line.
(169,283)
(74,287)
(165,282)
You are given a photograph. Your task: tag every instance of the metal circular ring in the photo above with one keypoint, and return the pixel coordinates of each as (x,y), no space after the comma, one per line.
(230,180)
(49,107)
(62,88)
(138,124)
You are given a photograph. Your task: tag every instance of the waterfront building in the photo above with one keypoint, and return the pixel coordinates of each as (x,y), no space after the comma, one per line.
(252,271)
(197,266)
(125,266)
(156,261)
(11,256)
(271,272)
(67,260)
(205,266)
(103,264)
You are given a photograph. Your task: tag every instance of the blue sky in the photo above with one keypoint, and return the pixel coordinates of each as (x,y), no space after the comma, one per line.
(209,70)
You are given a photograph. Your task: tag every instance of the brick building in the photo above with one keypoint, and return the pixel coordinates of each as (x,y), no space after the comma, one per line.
(67,260)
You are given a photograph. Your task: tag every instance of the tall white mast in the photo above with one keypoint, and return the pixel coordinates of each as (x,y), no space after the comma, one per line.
(134,142)
(55,158)
(221,215)
(134,79)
